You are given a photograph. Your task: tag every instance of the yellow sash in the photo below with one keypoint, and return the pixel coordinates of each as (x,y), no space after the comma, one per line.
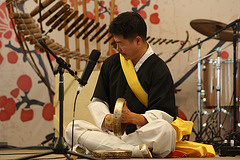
(187,148)
(133,81)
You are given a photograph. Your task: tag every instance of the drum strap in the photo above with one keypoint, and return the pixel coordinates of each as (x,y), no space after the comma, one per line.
(133,81)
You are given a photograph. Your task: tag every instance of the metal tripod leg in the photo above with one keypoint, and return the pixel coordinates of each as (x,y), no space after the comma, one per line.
(199,88)
(218,89)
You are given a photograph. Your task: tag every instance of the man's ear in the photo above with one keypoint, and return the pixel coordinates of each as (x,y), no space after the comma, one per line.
(138,40)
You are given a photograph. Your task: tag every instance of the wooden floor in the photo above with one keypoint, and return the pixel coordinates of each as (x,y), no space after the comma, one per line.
(20,153)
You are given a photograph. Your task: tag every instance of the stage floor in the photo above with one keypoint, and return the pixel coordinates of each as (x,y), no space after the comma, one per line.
(20,153)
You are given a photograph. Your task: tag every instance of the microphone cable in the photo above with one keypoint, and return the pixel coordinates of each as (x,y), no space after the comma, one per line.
(74,108)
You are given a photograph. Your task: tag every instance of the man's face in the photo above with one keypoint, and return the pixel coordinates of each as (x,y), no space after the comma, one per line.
(128,49)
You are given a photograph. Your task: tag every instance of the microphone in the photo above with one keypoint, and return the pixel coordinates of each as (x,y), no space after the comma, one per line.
(93,58)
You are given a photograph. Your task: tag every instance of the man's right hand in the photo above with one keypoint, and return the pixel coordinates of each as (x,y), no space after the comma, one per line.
(109,121)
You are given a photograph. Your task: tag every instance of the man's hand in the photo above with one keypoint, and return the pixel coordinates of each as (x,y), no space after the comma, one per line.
(127,115)
(131,117)
(109,122)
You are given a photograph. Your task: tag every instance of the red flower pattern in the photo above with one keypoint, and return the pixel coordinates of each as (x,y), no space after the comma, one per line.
(7,108)
(8,105)
(5,23)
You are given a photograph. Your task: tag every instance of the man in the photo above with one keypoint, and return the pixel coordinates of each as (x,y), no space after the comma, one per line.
(149,121)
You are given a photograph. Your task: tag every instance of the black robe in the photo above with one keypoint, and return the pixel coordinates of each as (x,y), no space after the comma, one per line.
(154,77)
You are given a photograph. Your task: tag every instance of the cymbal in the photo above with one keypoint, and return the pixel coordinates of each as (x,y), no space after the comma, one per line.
(209,27)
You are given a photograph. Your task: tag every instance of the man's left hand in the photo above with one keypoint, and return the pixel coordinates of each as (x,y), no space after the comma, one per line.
(131,117)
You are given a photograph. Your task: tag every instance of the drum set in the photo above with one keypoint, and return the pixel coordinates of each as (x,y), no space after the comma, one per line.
(226,77)
(218,83)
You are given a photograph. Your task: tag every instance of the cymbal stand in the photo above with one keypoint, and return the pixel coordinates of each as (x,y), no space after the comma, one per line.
(218,89)
(232,149)
(235,26)
(199,113)
(199,89)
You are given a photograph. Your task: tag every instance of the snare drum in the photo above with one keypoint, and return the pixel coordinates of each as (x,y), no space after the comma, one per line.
(226,78)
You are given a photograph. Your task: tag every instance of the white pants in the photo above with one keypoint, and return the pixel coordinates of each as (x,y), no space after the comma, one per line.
(158,135)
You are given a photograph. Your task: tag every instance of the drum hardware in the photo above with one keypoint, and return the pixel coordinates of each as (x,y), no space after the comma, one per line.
(216,36)
(209,55)
(235,26)
(218,88)
(209,133)
(224,32)
(203,94)
(198,114)
(199,89)
(199,134)
(204,100)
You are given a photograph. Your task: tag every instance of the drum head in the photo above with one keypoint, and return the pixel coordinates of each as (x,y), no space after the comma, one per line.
(118,127)
(112,154)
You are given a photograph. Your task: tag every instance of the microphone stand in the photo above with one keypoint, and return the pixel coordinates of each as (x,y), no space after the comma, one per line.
(234,26)
(60,146)
(230,149)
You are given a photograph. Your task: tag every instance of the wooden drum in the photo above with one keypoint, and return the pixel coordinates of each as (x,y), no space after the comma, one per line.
(226,78)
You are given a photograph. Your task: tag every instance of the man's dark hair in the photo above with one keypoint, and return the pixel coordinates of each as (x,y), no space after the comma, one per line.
(129,25)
